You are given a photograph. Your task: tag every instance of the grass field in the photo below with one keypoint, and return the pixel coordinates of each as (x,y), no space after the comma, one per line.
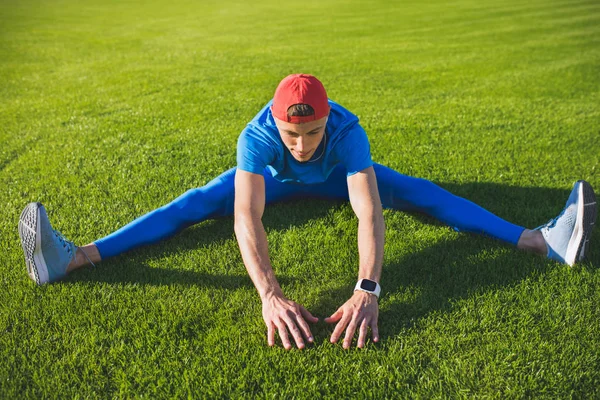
(109,109)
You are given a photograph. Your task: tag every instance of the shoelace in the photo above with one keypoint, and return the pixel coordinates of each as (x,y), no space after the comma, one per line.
(62,240)
(66,244)
(552,223)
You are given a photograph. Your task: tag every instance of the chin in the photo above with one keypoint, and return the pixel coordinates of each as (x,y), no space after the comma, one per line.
(303,158)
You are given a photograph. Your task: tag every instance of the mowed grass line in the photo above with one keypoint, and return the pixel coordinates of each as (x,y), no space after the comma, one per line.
(111,109)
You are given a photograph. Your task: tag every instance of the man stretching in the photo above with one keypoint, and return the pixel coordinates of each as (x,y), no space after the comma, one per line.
(301,144)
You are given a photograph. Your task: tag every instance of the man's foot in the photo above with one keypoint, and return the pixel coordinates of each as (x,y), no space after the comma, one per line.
(568,235)
(47,252)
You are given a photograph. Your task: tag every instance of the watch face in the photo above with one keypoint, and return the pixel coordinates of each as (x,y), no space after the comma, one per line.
(368,285)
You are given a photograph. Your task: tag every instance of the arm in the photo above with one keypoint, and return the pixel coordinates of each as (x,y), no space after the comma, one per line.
(278,312)
(362,310)
(250,233)
(364,198)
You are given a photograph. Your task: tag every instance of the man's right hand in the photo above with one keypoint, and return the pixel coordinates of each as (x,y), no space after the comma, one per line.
(283,314)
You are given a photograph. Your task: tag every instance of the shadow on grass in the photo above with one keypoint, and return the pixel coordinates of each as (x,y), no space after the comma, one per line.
(453,269)
(448,271)
(443,273)
(132,267)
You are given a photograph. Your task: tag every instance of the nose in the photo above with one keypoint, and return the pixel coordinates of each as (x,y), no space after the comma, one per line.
(300,144)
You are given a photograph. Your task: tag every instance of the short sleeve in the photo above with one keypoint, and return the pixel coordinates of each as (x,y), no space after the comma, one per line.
(253,152)
(353,149)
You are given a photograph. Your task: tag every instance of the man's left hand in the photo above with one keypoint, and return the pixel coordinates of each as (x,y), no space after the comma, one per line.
(360,312)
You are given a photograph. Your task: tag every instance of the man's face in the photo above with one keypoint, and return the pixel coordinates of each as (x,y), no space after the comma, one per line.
(302,140)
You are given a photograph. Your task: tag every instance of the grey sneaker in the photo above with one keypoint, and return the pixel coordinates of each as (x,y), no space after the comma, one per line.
(47,252)
(568,235)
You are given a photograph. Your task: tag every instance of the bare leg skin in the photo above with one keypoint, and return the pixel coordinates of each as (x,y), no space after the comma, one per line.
(532,241)
(80,259)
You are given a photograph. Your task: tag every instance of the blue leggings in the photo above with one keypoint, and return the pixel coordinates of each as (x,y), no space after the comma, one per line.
(397,191)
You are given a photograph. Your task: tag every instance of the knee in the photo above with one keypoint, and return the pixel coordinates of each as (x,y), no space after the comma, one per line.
(431,195)
(206,202)
(187,207)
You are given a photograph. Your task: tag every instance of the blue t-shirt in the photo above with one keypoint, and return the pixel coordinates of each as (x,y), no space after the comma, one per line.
(345,142)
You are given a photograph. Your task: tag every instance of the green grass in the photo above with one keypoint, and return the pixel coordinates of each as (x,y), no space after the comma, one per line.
(109,109)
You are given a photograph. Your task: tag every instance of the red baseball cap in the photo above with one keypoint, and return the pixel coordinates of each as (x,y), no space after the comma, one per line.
(300,89)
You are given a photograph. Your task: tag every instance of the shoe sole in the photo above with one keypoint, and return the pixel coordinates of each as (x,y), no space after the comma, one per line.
(588,209)
(29,232)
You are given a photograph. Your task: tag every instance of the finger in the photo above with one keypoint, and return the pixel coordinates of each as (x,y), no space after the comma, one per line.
(296,334)
(271,334)
(335,317)
(362,335)
(350,332)
(307,315)
(339,328)
(375,331)
(283,335)
(304,328)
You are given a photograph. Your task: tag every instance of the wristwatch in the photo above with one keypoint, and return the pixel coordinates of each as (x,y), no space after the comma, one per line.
(369,286)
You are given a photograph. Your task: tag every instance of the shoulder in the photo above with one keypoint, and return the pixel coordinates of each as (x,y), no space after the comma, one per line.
(349,142)
(259,143)
(261,130)
(264,116)
(340,118)
(343,125)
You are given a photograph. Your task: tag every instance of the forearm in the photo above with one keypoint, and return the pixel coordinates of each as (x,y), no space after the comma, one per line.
(371,238)
(252,240)
(361,311)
